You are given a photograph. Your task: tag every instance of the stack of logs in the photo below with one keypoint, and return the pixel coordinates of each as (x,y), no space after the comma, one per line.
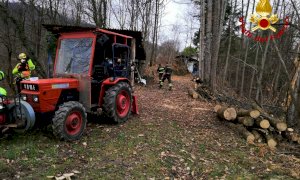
(256,125)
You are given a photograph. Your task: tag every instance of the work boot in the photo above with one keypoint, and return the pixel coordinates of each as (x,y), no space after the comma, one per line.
(160,84)
(170,87)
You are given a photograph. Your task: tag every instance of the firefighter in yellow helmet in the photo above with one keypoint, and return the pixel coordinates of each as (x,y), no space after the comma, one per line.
(23,69)
(167,75)
(2,90)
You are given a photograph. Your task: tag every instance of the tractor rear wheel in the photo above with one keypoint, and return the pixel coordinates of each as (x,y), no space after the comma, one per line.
(69,121)
(117,102)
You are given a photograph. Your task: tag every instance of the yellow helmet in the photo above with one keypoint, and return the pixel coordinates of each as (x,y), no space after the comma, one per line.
(22,56)
(1,75)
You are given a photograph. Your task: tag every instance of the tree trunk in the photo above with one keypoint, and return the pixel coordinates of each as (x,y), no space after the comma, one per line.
(229,43)
(208,34)
(154,37)
(263,123)
(254,72)
(193,93)
(201,41)
(228,114)
(252,113)
(246,53)
(246,121)
(270,141)
(257,135)
(218,17)
(261,72)
(243,132)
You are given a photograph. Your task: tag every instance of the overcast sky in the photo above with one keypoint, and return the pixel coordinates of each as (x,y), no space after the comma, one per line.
(178,23)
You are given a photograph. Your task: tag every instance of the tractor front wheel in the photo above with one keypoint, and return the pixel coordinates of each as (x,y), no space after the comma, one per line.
(117,102)
(69,121)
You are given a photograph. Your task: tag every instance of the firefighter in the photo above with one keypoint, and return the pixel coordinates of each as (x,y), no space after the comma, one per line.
(160,71)
(2,90)
(167,75)
(23,69)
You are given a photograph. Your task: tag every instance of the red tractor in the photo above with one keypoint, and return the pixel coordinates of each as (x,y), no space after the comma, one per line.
(91,75)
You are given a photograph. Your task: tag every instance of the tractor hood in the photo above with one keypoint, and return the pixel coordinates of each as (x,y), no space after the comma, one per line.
(50,84)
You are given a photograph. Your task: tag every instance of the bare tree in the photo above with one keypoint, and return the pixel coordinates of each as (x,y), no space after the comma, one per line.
(97,11)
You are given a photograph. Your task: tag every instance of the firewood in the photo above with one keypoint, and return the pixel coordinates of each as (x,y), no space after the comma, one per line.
(228,114)
(263,123)
(246,121)
(292,136)
(243,132)
(278,124)
(257,135)
(252,113)
(217,107)
(271,141)
(193,93)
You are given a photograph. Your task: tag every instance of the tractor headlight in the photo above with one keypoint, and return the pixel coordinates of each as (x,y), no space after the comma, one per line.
(24,97)
(35,98)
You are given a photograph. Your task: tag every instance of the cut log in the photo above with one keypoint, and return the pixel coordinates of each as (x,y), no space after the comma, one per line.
(292,136)
(193,93)
(280,125)
(243,132)
(257,135)
(246,121)
(277,124)
(228,114)
(263,123)
(242,112)
(270,141)
(252,113)
(217,107)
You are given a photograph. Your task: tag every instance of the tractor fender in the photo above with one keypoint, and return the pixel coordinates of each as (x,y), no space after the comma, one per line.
(107,83)
(28,112)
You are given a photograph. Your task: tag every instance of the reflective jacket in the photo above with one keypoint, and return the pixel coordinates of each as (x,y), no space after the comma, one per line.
(168,70)
(160,70)
(23,67)
(3,92)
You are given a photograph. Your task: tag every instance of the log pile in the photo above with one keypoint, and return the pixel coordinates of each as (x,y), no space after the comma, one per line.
(256,125)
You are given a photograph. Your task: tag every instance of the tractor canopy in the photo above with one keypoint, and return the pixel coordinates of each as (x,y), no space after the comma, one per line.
(79,51)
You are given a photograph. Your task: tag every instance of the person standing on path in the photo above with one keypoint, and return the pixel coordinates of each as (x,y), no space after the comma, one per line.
(167,75)
(160,71)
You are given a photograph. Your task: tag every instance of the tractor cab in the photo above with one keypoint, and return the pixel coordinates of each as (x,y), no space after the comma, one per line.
(92,58)
(91,74)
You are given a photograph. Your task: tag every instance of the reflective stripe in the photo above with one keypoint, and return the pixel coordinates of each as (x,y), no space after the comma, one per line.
(3,92)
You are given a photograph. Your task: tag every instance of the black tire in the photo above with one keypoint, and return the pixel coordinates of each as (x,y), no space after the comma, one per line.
(69,121)
(117,102)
